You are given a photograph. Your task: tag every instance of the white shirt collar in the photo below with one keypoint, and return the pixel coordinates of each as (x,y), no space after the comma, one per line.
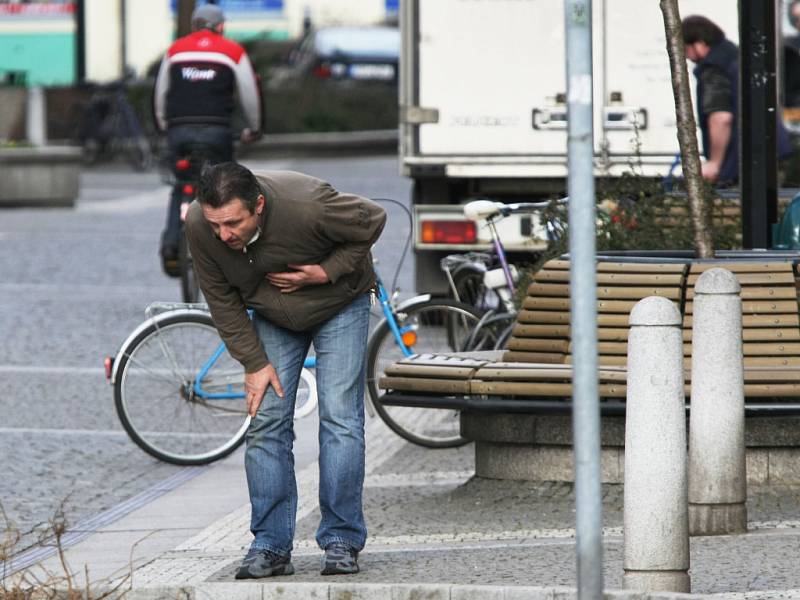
(252,239)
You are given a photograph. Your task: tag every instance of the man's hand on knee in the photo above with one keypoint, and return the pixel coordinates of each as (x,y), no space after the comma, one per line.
(256,384)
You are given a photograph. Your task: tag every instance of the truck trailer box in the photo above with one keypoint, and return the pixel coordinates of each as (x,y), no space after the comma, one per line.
(483,108)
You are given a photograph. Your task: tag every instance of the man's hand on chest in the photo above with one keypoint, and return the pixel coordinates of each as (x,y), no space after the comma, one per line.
(300,276)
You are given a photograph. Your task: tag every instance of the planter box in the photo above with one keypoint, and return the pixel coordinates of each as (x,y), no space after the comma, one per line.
(46,176)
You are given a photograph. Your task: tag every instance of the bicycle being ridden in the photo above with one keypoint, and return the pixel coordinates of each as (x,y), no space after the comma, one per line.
(200,77)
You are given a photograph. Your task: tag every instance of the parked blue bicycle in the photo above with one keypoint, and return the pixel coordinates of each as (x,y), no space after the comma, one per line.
(180,395)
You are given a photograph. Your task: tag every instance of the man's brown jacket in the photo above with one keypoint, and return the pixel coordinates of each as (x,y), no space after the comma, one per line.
(305,221)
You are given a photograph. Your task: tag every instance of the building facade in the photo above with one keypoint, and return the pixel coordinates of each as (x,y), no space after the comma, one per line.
(38,39)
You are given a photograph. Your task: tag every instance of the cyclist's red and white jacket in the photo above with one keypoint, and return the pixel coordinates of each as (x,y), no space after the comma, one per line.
(196,82)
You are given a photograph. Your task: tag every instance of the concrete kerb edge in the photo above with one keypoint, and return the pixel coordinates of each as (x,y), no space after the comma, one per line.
(375,591)
(311,144)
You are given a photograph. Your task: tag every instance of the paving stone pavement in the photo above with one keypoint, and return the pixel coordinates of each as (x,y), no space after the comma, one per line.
(447,534)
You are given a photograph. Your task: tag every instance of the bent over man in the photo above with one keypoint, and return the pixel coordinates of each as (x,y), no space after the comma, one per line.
(297,252)
(193,100)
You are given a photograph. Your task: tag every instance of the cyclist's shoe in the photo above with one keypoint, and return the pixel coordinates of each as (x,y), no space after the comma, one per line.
(169,260)
(264,563)
(339,560)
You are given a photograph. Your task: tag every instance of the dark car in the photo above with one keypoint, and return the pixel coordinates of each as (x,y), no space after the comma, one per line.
(342,54)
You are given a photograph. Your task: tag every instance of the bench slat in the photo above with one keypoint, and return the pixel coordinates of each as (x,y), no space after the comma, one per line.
(543,316)
(534,357)
(561,304)
(540,303)
(411,370)
(754,334)
(535,331)
(616,306)
(760,293)
(641,279)
(776,320)
(623,267)
(607,292)
(767,278)
(420,384)
(532,344)
(540,389)
(741,267)
(758,307)
(541,372)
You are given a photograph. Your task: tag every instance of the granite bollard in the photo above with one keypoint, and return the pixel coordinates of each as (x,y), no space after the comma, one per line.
(717,475)
(656,529)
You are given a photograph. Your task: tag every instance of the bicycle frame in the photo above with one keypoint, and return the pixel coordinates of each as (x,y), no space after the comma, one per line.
(390,315)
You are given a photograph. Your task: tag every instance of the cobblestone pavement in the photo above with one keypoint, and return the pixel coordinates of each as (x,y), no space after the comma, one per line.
(74,283)
(431,522)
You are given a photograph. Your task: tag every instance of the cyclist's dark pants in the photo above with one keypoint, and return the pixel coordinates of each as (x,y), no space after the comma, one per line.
(218,140)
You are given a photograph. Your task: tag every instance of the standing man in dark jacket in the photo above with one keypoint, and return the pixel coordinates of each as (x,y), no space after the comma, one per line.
(193,100)
(297,252)
(717,72)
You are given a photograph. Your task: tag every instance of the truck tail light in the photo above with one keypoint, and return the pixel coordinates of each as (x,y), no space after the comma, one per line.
(449,232)
(323,71)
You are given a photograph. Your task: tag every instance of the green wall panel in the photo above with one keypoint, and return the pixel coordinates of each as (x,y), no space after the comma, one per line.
(45,58)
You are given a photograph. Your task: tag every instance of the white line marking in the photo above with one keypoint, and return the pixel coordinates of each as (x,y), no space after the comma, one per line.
(143,202)
(87,432)
(66,288)
(30,370)
(418,479)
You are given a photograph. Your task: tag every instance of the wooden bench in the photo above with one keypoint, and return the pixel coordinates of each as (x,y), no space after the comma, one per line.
(534,374)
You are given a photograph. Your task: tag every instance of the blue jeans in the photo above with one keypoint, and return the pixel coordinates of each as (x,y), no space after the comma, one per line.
(340,345)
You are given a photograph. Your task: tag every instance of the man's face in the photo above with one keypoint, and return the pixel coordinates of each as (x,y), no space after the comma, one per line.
(794,16)
(696,51)
(233,223)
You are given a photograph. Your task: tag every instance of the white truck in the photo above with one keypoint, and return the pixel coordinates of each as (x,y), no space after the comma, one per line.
(483,109)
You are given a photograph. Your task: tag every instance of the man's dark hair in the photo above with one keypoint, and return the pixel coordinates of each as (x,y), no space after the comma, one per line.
(700,29)
(221,183)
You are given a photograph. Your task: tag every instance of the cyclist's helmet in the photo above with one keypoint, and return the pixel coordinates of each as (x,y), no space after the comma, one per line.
(207,16)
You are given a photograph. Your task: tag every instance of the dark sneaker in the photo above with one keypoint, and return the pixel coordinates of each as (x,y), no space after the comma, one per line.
(264,563)
(339,560)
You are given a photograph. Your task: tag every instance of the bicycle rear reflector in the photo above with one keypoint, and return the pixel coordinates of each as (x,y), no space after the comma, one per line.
(409,338)
(448,232)
(108,364)
(182,164)
(188,189)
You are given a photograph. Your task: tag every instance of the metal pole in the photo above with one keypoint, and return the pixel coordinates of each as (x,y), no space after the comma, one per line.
(758,181)
(583,300)
(80,41)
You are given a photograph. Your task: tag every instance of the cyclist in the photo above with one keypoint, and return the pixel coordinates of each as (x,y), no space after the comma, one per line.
(193,100)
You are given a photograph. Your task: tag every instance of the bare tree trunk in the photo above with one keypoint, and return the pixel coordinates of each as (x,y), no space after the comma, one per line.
(185,10)
(687,131)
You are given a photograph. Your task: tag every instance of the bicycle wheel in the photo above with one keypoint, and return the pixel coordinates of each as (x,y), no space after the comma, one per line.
(306,397)
(154,392)
(138,152)
(440,326)
(190,287)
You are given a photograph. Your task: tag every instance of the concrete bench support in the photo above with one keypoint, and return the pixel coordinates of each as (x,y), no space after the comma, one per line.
(656,555)
(717,476)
